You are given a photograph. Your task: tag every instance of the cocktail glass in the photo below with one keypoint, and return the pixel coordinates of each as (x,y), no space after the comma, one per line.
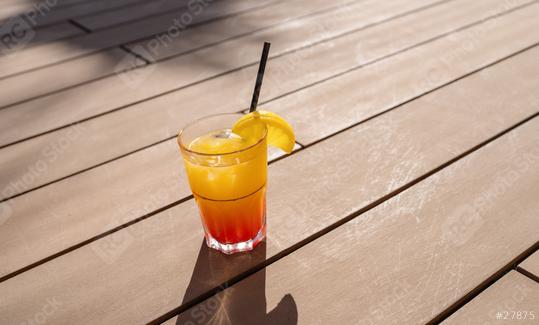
(227,175)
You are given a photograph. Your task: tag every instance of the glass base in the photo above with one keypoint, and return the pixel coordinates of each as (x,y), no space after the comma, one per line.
(245,246)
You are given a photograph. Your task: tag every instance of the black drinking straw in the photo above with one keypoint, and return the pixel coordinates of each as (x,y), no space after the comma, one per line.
(260,76)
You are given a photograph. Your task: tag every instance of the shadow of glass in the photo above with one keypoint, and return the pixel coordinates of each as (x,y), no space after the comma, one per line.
(242,303)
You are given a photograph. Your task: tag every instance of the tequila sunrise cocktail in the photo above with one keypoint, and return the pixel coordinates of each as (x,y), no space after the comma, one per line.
(227,174)
(225,158)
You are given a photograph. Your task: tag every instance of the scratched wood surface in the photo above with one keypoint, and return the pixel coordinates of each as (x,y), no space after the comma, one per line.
(511,300)
(414,119)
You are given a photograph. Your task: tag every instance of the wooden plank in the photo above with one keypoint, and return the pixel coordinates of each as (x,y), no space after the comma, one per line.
(514,296)
(408,259)
(167,245)
(47,12)
(52,53)
(531,265)
(55,32)
(25,86)
(108,94)
(161,117)
(41,36)
(128,14)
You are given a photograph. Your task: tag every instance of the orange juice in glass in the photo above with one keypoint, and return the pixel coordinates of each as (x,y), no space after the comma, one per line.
(227,174)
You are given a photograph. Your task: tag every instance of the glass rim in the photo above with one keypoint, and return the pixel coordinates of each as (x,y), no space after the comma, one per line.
(179,137)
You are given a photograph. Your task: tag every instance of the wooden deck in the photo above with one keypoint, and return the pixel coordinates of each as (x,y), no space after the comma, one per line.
(412,195)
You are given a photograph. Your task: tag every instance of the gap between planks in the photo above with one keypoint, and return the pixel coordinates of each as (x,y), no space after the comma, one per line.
(140,57)
(526,273)
(512,265)
(79,26)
